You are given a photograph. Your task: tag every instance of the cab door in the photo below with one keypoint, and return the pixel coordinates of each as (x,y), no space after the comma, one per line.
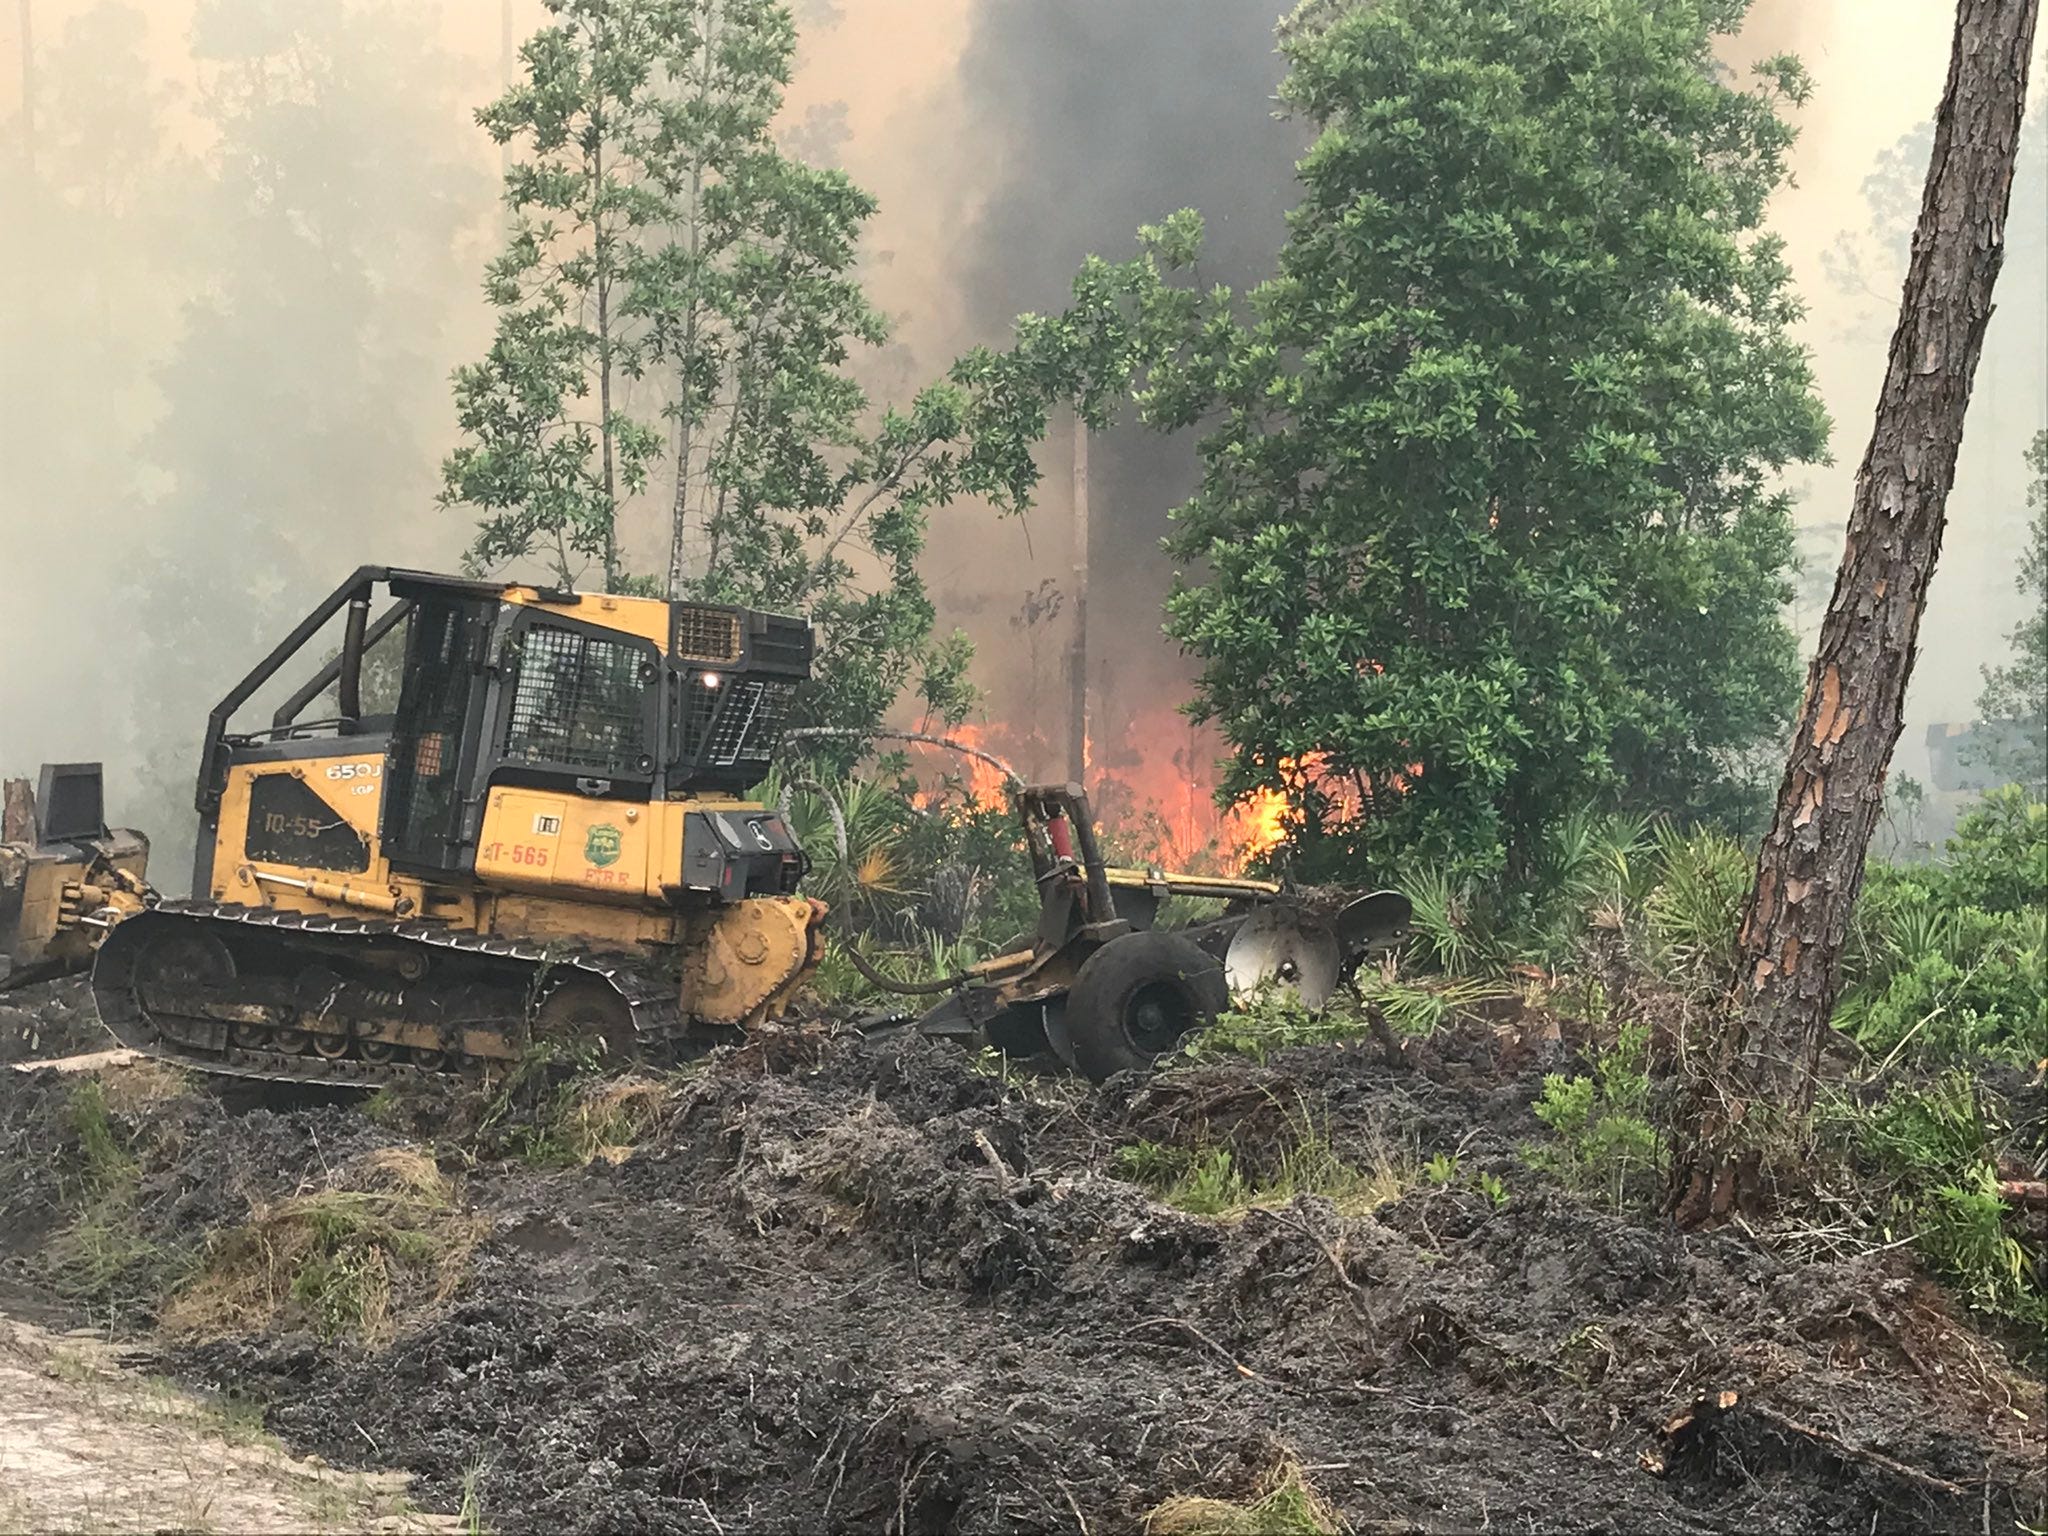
(432,794)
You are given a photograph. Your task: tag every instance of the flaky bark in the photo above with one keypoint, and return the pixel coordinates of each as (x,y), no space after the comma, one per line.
(1810,869)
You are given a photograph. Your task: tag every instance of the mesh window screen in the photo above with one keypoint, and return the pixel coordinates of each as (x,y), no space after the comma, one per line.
(700,708)
(741,719)
(706,634)
(751,721)
(580,702)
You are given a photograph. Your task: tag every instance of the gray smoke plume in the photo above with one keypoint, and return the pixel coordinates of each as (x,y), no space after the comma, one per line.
(1095,119)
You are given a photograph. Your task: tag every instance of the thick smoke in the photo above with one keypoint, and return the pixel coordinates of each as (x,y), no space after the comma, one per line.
(1089,120)
(250,233)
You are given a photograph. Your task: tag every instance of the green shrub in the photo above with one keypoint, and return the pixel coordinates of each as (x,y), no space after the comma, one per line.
(1692,912)
(898,865)
(1423,1007)
(1934,1148)
(1951,959)
(1954,984)
(1274,1019)
(1589,863)
(1998,857)
(1604,1139)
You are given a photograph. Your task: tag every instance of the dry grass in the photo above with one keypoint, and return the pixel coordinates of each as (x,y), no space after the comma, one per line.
(386,1238)
(606,1118)
(1287,1506)
(137,1086)
(557,1109)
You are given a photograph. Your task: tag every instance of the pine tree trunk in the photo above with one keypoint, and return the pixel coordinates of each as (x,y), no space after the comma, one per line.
(1759,1075)
(679,511)
(604,398)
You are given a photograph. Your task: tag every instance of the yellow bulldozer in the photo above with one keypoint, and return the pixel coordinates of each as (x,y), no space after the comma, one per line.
(544,834)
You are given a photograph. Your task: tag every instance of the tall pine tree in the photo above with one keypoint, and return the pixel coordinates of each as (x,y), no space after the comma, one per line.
(664,238)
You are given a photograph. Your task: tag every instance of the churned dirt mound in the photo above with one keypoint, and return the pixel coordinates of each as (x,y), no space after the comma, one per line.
(853,1287)
(52,1018)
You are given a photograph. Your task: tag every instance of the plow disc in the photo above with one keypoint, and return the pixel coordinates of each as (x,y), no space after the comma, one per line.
(1287,945)
(1105,988)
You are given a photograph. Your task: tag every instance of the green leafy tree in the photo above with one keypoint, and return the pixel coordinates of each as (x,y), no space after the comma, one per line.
(553,453)
(791,489)
(723,275)
(1490,487)
(2013,707)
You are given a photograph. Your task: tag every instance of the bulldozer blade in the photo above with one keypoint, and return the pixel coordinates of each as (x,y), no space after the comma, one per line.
(61,870)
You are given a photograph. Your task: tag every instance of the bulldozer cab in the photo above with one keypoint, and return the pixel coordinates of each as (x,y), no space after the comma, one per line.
(501,686)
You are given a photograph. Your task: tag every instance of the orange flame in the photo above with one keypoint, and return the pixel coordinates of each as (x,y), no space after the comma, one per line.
(1257,824)
(1263,819)
(980,781)
(1152,787)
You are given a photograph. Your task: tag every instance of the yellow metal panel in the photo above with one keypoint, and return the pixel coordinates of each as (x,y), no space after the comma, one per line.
(520,844)
(42,895)
(665,845)
(351,783)
(605,847)
(643,617)
(537,840)
(1191,885)
(745,960)
(577,920)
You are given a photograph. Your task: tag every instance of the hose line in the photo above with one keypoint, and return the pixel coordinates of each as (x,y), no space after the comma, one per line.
(890,984)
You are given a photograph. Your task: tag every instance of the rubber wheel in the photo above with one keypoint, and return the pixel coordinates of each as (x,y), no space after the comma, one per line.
(1139,996)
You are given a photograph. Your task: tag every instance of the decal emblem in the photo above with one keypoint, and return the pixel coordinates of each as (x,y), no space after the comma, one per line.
(603,845)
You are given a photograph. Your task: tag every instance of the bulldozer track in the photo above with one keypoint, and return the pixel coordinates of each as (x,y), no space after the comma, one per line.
(650,994)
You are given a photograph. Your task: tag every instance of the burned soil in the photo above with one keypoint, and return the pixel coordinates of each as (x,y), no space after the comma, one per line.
(847,1286)
(50,1020)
